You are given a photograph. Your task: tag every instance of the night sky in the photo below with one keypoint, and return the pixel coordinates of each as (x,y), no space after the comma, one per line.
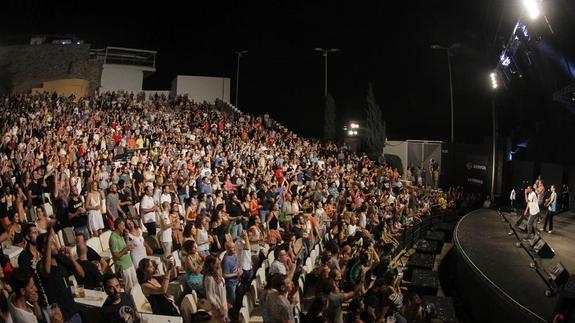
(381,42)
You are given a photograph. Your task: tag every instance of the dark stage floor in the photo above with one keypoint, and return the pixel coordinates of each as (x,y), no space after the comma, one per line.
(483,239)
(562,240)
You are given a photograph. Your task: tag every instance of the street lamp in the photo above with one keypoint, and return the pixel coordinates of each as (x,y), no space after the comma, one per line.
(494,86)
(448,51)
(325,51)
(352,128)
(533,8)
(239,53)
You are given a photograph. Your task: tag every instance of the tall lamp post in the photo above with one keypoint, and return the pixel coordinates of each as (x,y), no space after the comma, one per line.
(448,51)
(326,51)
(494,86)
(239,53)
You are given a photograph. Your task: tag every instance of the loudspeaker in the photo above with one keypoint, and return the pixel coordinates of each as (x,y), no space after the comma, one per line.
(559,274)
(534,240)
(543,249)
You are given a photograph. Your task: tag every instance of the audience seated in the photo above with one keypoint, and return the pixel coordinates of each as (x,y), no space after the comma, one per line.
(215,184)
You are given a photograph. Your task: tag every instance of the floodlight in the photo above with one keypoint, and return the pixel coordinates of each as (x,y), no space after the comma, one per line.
(532,7)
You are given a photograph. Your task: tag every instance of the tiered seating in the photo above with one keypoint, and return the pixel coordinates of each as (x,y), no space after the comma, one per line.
(251,302)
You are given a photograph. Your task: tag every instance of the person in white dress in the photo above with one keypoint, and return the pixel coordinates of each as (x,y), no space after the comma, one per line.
(166,234)
(136,238)
(93,206)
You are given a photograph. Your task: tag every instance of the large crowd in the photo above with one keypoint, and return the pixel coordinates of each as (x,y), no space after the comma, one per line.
(210,192)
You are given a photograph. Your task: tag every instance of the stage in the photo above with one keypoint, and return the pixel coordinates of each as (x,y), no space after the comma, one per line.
(563,240)
(493,276)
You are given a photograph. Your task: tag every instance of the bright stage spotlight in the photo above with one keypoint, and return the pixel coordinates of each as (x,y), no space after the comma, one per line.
(493,77)
(532,7)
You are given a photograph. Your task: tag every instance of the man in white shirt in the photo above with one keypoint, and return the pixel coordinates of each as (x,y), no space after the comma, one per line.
(244,256)
(148,210)
(512,198)
(533,209)
(166,197)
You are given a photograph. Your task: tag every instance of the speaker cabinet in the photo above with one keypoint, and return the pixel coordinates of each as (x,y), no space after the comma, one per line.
(559,274)
(543,249)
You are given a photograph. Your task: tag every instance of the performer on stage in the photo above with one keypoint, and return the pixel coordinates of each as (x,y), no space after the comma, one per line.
(551,204)
(540,191)
(533,209)
(564,198)
(512,199)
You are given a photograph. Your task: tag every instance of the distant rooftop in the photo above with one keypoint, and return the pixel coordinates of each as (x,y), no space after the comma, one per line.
(125,56)
(66,39)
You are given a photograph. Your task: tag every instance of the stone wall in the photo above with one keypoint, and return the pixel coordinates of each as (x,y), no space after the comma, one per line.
(30,65)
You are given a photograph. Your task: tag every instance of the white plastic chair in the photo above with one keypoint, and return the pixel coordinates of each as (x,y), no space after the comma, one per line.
(313,256)
(47,198)
(254,292)
(140,300)
(266,264)
(61,237)
(189,306)
(49,209)
(308,265)
(95,244)
(261,278)
(105,240)
(244,316)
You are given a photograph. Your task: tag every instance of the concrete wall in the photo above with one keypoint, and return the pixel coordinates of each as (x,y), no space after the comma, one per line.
(202,88)
(121,78)
(78,87)
(31,65)
(399,149)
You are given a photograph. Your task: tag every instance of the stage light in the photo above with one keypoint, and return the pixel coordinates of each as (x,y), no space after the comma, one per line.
(350,133)
(532,7)
(493,77)
(354,126)
(504,59)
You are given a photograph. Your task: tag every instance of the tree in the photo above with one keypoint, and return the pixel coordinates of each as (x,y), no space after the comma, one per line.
(329,118)
(375,126)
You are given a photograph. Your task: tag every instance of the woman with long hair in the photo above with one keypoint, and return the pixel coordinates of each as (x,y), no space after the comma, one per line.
(177,234)
(203,238)
(156,292)
(43,222)
(15,235)
(192,209)
(194,264)
(215,288)
(136,238)
(94,207)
